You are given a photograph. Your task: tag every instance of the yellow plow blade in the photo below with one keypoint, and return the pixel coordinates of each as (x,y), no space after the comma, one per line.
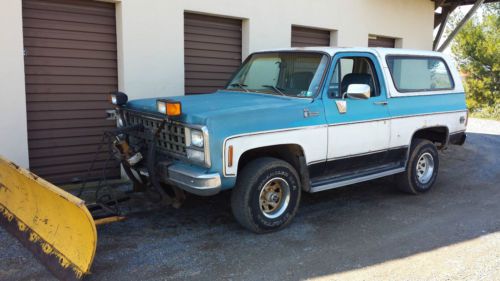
(53,224)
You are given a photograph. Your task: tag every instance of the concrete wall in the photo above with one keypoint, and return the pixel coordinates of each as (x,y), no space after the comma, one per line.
(152,34)
(13,129)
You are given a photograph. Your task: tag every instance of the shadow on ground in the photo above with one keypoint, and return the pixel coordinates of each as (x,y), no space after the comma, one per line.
(334,231)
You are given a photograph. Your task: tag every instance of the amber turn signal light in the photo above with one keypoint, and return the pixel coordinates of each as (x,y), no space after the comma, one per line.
(169,108)
(230,156)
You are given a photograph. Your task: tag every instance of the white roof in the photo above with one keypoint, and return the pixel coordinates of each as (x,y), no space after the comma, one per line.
(379,51)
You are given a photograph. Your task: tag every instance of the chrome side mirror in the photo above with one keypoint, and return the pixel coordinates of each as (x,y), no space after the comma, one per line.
(358,91)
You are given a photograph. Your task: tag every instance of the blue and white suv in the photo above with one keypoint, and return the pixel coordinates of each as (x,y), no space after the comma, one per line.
(299,119)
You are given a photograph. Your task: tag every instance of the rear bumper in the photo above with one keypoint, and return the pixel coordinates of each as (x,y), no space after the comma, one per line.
(458,138)
(193,179)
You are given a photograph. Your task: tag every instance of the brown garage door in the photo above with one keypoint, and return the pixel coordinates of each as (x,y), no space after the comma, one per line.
(212,51)
(379,41)
(309,37)
(70,66)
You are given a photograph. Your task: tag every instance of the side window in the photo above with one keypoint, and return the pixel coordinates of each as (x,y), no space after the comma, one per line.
(416,74)
(353,70)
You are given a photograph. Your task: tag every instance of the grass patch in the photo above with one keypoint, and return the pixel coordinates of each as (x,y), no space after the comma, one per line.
(491,112)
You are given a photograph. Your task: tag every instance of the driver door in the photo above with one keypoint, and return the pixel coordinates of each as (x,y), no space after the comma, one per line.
(358,129)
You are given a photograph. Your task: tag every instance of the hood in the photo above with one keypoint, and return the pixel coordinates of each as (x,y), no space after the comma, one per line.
(199,109)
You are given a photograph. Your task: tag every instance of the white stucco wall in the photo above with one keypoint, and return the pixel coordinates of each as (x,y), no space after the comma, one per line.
(13,130)
(152,34)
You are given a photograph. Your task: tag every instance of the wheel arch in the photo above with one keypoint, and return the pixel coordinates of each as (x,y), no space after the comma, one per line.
(436,134)
(291,153)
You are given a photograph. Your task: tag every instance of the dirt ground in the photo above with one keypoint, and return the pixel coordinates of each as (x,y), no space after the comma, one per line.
(368,231)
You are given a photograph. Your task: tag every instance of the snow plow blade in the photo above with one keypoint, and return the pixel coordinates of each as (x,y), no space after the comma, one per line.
(53,224)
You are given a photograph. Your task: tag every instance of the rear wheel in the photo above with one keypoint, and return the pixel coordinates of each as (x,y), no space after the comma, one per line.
(266,196)
(422,169)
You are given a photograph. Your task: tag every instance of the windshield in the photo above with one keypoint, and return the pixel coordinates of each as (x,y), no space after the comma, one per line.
(295,74)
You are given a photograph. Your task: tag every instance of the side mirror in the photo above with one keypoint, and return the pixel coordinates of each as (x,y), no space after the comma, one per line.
(358,91)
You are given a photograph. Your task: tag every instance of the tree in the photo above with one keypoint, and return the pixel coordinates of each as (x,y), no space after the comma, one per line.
(476,48)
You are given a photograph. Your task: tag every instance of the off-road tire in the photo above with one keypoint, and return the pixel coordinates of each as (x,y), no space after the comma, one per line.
(409,181)
(245,196)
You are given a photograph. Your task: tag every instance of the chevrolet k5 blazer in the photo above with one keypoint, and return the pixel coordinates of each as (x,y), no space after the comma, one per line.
(298,120)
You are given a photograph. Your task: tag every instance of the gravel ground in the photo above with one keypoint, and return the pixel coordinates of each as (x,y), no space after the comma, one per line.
(364,232)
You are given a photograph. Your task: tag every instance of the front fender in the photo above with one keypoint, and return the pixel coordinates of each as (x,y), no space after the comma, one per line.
(312,140)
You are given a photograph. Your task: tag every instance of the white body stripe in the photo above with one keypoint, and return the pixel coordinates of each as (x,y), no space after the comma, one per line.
(313,141)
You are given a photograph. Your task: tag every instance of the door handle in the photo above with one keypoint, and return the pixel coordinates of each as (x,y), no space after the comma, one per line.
(381,102)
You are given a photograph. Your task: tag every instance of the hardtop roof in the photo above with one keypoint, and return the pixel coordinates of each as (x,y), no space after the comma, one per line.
(376,50)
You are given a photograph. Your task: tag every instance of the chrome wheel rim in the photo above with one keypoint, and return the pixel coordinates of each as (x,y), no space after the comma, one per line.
(425,168)
(274,198)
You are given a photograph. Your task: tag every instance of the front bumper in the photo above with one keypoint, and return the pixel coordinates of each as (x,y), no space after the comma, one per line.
(192,179)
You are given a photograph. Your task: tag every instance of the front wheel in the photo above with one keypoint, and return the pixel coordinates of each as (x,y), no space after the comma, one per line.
(266,196)
(422,169)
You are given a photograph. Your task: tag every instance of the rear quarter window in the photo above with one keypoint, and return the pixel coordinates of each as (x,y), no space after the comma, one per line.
(418,74)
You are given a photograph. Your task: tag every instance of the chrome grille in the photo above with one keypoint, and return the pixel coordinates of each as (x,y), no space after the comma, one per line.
(171,139)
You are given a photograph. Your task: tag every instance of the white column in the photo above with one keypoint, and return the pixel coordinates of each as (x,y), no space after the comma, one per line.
(13,122)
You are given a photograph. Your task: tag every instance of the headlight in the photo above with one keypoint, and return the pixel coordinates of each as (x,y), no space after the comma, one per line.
(118,98)
(197,138)
(196,155)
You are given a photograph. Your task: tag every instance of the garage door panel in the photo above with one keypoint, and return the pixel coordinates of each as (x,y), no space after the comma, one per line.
(210,76)
(71,132)
(68,53)
(70,80)
(305,37)
(70,26)
(68,168)
(193,61)
(68,35)
(208,82)
(66,89)
(71,71)
(379,41)
(310,41)
(70,105)
(65,115)
(62,151)
(213,47)
(204,30)
(214,54)
(66,97)
(209,68)
(69,44)
(73,123)
(191,19)
(29,13)
(83,8)
(69,62)
(86,157)
(212,39)
(311,33)
(63,142)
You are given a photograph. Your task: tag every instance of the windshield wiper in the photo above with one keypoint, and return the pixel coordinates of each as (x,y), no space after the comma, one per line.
(240,85)
(276,89)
